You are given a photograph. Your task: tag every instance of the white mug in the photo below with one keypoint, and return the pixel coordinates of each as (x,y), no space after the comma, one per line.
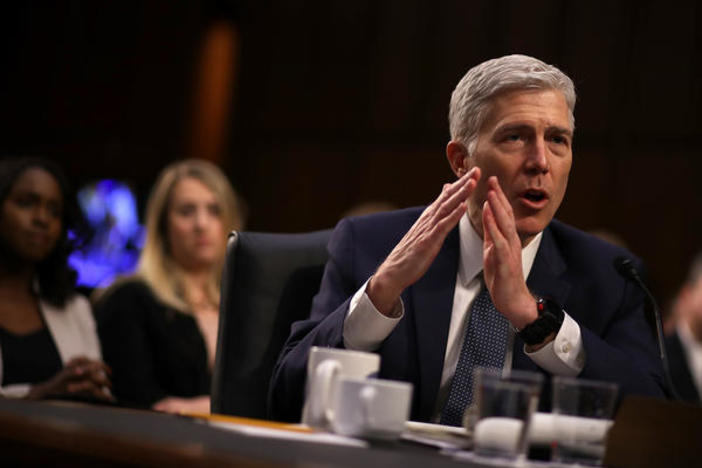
(370,408)
(324,367)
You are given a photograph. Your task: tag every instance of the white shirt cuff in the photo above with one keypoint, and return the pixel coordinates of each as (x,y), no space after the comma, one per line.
(365,328)
(565,355)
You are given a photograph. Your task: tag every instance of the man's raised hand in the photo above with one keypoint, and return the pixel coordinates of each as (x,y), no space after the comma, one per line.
(502,259)
(413,255)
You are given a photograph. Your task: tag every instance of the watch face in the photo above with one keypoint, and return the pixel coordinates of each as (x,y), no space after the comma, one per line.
(549,321)
(540,305)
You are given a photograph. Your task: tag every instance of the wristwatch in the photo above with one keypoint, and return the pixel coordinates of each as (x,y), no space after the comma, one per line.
(550,320)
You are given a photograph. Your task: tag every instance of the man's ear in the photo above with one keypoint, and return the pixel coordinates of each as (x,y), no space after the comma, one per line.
(457,156)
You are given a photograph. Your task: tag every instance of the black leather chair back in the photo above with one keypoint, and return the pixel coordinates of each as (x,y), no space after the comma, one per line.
(268,282)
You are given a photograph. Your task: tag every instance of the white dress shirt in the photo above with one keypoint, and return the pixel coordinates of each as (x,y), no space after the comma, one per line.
(365,327)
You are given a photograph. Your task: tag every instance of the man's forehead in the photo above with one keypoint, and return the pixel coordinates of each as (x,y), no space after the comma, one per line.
(519,125)
(526,107)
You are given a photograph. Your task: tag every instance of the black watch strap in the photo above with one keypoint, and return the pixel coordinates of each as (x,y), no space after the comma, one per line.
(550,320)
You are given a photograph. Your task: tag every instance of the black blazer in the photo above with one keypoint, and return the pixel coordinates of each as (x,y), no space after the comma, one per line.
(154,350)
(572,267)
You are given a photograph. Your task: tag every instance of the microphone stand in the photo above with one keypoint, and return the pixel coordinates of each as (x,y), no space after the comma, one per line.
(627,269)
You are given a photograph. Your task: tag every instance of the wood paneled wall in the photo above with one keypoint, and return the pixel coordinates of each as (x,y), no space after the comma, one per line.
(345,102)
(340,102)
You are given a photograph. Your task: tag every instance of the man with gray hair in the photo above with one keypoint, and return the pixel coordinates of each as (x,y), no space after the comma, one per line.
(483,276)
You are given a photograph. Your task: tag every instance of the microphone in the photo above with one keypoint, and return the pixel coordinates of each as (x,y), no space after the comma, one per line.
(625,267)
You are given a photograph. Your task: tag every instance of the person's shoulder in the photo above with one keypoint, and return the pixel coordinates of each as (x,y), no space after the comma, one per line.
(74,320)
(77,301)
(75,304)
(125,289)
(576,244)
(395,220)
(411,213)
(378,229)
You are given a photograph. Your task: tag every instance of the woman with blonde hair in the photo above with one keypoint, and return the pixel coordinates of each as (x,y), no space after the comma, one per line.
(159,327)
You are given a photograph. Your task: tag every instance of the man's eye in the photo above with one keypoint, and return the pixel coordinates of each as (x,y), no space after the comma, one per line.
(512,137)
(559,140)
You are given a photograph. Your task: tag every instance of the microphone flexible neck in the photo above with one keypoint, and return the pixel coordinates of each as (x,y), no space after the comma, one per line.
(626,268)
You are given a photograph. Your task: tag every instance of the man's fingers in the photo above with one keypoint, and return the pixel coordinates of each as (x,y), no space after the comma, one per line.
(411,257)
(487,219)
(450,190)
(443,214)
(490,227)
(451,209)
(502,211)
(449,222)
(503,219)
(455,195)
(494,184)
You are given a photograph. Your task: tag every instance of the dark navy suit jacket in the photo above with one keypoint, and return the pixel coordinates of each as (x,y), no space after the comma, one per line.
(572,267)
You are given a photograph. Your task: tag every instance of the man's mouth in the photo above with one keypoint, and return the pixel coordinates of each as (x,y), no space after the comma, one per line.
(534,198)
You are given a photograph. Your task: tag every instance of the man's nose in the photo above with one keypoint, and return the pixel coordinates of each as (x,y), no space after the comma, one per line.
(537,159)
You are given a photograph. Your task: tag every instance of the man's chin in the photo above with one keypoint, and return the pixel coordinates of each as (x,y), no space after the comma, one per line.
(529,228)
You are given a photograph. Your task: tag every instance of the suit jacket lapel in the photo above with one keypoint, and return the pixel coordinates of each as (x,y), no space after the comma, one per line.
(549,265)
(432,297)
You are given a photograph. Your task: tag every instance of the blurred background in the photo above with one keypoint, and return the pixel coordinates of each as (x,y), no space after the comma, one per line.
(314,106)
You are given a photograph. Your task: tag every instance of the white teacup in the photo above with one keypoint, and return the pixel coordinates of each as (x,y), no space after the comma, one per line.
(324,367)
(370,408)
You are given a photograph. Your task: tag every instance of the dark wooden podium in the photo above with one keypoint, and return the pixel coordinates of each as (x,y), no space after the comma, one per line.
(649,432)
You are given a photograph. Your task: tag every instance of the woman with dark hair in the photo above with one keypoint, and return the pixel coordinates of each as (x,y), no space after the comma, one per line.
(48,342)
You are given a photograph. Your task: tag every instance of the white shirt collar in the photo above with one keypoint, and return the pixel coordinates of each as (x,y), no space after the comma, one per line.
(471,248)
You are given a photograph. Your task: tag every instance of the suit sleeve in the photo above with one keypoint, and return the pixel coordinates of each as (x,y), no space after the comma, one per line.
(323,328)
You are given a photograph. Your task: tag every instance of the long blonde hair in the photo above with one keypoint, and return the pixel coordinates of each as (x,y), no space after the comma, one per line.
(156,264)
